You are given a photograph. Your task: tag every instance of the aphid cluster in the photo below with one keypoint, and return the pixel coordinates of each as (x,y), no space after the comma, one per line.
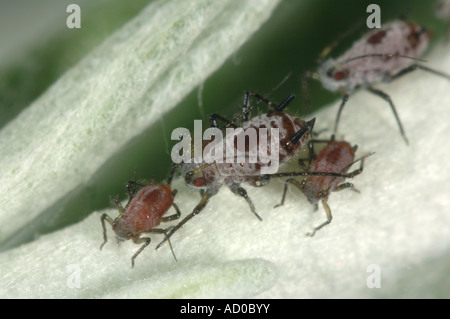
(382,55)
(209,178)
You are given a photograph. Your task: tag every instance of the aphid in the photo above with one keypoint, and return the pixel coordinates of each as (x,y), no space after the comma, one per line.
(143,212)
(209,178)
(293,134)
(335,157)
(382,55)
(442,10)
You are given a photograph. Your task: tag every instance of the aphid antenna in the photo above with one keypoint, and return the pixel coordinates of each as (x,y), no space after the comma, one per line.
(306,98)
(279,84)
(189,175)
(171,174)
(357,160)
(247,107)
(325,52)
(356,172)
(171,249)
(170,244)
(292,174)
(200,206)
(381,55)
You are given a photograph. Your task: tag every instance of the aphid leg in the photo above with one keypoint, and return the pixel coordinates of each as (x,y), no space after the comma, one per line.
(291,174)
(247,100)
(168,219)
(170,178)
(172,217)
(387,98)
(236,189)
(246,108)
(110,221)
(356,171)
(279,108)
(342,175)
(286,186)
(325,52)
(116,203)
(305,89)
(414,67)
(200,206)
(162,231)
(329,218)
(345,186)
(312,154)
(170,243)
(344,101)
(214,117)
(131,187)
(139,240)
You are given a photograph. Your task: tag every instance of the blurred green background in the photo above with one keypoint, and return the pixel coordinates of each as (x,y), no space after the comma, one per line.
(288,43)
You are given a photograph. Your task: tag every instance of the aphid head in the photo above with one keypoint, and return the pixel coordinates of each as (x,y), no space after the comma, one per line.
(198,181)
(332,75)
(198,176)
(418,36)
(262,181)
(338,75)
(121,231)
(442,9)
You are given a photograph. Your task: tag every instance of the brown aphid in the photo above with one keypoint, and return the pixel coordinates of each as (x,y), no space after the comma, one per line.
(143,212)
(335,157)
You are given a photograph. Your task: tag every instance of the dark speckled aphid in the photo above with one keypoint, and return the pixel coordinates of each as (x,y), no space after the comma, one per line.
(382,55)
(208,179)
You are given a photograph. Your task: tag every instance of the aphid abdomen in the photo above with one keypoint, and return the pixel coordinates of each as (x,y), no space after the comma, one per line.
(333,158)
(247,171)
(145,210)
(287,126)
(401,38)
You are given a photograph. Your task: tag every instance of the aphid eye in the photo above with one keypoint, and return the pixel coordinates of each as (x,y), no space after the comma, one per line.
(188,177)
(420,32)
(341,75)
(199,182)
(330,72)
